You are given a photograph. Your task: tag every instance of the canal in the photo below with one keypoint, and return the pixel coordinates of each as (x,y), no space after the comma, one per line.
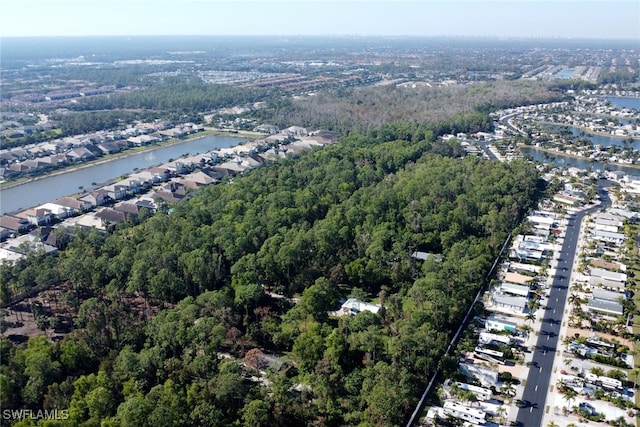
(49,188)
(559,160)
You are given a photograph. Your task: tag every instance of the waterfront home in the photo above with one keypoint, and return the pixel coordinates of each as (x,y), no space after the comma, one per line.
(197,179)
(116,191)
(79,154)
(110,216)
(15,224)
(4,233)
(73,203)
(37,216)
(95,198)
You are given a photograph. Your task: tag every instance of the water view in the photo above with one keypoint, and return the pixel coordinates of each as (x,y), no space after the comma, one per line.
(50,188)
(624,102)
(560,160)
(603,140)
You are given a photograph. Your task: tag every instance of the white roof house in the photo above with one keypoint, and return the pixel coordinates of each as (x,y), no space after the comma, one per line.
(604,283)
(498,324)
(515,304)
(606,307)
(512,288)
(607,236)
(467,413)
(541,221)
(354,306)
(524,267)
(607,295)
(487,376)
(608,275)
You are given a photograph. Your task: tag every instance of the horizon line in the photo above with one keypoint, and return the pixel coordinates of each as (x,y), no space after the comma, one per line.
(356,35)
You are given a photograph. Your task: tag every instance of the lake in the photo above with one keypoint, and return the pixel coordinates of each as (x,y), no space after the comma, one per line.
(559,160)
(603,140)
(624,102)
(49,188)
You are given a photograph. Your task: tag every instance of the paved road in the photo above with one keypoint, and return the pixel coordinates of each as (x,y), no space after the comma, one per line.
(535,392)
(505,122)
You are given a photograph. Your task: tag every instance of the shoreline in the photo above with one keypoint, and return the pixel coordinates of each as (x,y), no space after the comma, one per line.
(241,135)
(573,156)
(591,132)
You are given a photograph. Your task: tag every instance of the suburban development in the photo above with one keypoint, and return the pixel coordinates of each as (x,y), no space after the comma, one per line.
(333,231)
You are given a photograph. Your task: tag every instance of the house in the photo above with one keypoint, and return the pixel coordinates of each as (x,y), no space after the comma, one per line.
(265,128)
(37,216)
(142,140)
(116,191)
(423,256)
(4,233)
(95,198)
(296,130)
(72,203)
(15,224)
(517,266)
(544,222)
(60,212)
(608,223)
(609,275)
(516,304)
(606,284)
(354,306)
(233,167)
(110,216)
(128,208)
(197,179)
(177,167)
(498,324)
(487,376)
(568,200)
(464,412)
(607,236)
(480,392)
(513,289)
(605,295)
(605,307)
(80,154)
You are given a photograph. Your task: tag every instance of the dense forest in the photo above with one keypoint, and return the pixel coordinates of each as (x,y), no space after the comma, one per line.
(176,316)
(366,108)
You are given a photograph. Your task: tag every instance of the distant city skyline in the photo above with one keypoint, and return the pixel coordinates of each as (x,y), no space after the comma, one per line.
(576,19)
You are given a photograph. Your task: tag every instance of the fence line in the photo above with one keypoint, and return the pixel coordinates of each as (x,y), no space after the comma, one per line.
(456,337)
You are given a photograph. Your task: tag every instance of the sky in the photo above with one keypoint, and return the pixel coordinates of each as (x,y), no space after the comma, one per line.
(578,19)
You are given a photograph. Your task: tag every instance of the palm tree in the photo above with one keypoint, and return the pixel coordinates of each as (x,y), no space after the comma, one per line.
(568,393)
(574,299)
(552,424)
(530,317)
